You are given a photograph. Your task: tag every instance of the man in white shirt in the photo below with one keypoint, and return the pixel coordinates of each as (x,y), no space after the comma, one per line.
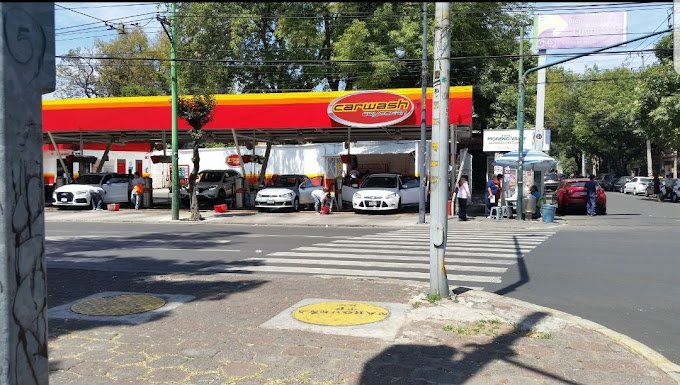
(320,197)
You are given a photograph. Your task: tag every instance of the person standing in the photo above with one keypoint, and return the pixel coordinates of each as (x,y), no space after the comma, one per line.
(137,190)
(96,197)
(490,198)
(464,197)
(320,198)
(537,195)
(591,195)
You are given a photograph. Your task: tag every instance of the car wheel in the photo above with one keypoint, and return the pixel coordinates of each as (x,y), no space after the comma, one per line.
(296,204)
(674,198)
(646,193)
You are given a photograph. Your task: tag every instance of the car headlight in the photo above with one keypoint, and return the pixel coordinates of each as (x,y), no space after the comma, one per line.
(212,187)
(287,195)
(391,196)
(357,196)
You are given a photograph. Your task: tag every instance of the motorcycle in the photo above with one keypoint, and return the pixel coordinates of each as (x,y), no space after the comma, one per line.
(666,193)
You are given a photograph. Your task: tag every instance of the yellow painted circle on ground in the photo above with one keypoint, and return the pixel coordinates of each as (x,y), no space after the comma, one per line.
(123,304)
(340,313)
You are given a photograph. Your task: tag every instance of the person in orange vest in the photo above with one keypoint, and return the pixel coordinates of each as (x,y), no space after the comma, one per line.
(137,190)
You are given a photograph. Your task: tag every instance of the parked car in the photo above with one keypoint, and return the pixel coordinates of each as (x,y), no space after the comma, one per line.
(386,192)
(216,186)
(637,185)
(672,189)
(551,181)
(618,185)
(286,192)
(77,193)
(606,180)
(572,195)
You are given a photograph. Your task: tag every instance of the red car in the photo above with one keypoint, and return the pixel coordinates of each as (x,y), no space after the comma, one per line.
(572,195)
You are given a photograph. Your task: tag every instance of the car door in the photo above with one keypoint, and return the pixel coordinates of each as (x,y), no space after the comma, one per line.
(409,192)
(305,191)
(116,189)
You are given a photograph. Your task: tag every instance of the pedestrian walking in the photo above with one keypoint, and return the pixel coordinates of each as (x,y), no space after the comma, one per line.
(96,197)
(591,195)
(137,190)
(320,198)
(490,196)
(464,197)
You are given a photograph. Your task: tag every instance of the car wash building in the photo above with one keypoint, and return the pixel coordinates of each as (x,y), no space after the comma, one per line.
(370,131)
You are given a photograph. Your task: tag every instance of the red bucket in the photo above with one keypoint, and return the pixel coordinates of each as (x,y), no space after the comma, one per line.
(221,208)
(113,207)
(325,210)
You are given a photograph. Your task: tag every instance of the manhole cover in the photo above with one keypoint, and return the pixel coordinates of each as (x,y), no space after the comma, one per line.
(340,313)
(123,304)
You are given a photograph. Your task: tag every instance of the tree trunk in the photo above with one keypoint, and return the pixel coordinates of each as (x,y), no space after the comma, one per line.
(195,213)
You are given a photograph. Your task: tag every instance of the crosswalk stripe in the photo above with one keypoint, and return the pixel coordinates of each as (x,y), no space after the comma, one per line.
(477,237)
(382,251)
(351,272)
(453,246)
(424,257)
(399,265)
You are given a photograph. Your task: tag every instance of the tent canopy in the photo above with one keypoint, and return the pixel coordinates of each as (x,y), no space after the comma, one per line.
(533,160)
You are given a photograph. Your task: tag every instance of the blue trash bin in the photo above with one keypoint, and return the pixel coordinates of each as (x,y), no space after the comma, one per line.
(548,213)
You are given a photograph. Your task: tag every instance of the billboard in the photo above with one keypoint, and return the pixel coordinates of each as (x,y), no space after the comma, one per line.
(508,140)
(579,30)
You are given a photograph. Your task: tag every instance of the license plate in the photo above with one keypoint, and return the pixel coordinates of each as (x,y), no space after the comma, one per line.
(583,194)
(270,201)
(371,204)
(64,200)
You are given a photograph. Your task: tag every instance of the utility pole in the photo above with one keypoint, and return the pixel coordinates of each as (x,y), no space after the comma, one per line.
(520,127)
(439,284)
(172,35)
(650,170)
(27,71)
(423,124)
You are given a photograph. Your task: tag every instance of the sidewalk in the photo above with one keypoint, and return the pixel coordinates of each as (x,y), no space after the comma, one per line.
(270,329)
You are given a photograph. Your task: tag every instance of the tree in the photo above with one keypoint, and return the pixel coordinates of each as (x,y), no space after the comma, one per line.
(197,111)
(78,75)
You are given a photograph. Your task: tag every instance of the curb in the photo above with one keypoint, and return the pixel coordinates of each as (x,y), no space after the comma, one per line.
(642,350)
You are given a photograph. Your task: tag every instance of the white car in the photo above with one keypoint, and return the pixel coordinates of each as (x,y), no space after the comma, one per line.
(287,192)
(386,192)
(77,194)
(637,185)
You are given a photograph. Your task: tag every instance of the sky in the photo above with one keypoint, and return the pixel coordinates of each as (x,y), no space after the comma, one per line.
(83,23)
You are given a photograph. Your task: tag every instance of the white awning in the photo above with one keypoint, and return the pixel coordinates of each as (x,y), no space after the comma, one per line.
(377,148)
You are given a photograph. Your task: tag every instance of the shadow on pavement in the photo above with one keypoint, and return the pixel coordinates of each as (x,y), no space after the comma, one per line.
(427,364)
(521,267)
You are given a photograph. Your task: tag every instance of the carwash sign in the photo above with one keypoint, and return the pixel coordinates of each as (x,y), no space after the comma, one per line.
(370,109)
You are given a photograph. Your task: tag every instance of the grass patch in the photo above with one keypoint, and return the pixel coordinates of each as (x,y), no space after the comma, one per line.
(416,305)
(432,298)
(494,328)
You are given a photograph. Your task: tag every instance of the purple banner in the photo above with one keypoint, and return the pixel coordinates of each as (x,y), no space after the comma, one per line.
(580,30)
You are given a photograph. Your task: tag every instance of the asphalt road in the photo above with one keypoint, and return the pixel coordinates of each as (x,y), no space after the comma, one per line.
(621,270)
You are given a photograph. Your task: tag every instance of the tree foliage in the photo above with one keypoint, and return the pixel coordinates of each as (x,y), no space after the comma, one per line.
(197,112)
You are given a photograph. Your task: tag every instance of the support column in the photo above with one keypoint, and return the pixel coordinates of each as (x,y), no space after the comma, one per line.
(27,71)
(263,169)
(650,172)
(105,157)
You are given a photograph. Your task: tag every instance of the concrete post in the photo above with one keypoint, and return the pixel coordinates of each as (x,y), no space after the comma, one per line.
(421,164)
(27,70)
(439,164)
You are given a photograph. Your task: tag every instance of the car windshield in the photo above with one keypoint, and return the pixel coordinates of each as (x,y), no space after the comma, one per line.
(88,179)
(210,176)
(285,181)
(646,180)
(551,177)
(380,182)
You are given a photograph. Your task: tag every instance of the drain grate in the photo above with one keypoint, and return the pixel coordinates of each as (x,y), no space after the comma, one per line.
(118,305)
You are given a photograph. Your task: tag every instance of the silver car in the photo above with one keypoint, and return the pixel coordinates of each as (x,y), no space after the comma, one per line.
(216,186)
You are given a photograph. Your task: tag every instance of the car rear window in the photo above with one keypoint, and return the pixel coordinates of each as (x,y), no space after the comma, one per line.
(576,184)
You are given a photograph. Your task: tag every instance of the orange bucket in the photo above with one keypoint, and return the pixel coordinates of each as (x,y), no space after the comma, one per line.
(221,208)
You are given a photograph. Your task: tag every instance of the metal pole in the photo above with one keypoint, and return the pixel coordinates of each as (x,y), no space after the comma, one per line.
(439,163)
(520,105)
(61,159)
(423,124)
(175,135)
(520,128)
